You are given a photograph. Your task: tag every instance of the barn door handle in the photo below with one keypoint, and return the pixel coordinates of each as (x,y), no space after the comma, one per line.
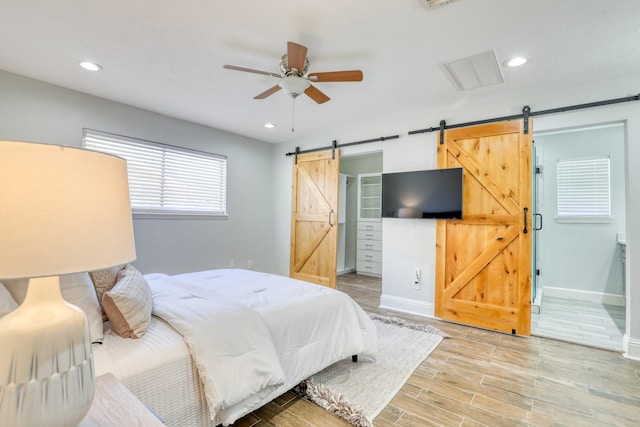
(330,216)
(525,231)
(540,227)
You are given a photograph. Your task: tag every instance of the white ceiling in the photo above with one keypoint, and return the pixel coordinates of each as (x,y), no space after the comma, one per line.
(167,56)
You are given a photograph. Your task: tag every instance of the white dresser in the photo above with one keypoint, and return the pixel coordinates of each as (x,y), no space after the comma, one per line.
(369,248)
(369,237)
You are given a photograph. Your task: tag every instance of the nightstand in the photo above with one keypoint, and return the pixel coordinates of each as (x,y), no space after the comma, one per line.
(115,406)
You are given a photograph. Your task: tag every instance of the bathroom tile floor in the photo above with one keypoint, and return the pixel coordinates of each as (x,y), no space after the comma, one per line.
(580,322)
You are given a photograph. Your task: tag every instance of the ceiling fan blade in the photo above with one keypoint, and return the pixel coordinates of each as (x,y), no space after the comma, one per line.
(296,54)
(315,94)
(268,92)
(250,70)
(337,76)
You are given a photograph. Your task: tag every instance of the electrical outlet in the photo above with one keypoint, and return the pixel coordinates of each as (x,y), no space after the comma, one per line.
(416,278)
(250,265)
(231,263)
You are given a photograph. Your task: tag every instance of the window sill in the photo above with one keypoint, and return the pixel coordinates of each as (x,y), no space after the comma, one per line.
(584,219)
(151,215)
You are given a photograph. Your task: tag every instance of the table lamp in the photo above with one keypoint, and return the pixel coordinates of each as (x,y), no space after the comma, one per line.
(62,210)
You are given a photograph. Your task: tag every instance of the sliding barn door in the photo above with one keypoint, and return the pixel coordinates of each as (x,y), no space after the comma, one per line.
(314,217)
(483,262)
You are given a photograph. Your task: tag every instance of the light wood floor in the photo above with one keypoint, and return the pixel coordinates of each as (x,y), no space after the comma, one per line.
(484,378)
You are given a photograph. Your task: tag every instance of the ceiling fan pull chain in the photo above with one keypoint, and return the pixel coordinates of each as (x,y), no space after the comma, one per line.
(293,113)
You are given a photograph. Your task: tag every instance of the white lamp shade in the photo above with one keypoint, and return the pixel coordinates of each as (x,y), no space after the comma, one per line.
(62,210)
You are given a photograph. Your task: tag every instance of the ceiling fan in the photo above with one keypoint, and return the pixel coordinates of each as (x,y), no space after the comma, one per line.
(295,78)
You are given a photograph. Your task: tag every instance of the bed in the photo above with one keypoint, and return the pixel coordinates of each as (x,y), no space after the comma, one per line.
(222,343)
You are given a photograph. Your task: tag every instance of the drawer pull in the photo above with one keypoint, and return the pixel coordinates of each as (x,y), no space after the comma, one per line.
(369,256)
(368,266)
(369,246)
(369,235)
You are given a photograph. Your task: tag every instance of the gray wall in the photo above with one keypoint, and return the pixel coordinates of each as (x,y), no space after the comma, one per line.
(364,163)
(34,111)
(581,256)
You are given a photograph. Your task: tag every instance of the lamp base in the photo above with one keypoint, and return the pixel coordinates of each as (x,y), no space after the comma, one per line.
(46,366)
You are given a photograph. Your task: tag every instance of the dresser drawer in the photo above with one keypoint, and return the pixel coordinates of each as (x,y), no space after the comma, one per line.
(369,235)
(366,267)
(369,256)
(369,245)
(370,226)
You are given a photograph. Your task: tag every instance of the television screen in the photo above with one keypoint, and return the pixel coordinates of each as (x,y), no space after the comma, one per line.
(435,193)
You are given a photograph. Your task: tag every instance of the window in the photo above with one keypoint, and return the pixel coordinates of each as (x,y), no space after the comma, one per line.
(583,189)
(166,180)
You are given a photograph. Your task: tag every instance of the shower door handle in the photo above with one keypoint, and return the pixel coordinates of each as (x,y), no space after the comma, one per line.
(536,227)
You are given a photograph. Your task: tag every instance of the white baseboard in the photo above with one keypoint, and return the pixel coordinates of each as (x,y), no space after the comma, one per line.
(345,271)
(631,347)
(597,297)
(407,305)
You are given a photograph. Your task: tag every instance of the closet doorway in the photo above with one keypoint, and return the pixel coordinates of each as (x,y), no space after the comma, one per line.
(579,284)
(353,167)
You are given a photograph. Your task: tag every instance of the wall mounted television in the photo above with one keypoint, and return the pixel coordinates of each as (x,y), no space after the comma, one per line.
(434,193)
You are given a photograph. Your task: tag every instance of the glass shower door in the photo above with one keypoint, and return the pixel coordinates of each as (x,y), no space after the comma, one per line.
(536,219)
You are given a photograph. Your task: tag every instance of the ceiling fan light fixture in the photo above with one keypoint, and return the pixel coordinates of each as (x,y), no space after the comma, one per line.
(294,85)
(296,82)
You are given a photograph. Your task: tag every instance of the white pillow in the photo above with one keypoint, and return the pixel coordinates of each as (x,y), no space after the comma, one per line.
(77,289)
(7,303)
(103,281)
(128,304)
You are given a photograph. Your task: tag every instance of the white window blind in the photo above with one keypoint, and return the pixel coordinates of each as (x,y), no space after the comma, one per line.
(584,188)
(164,179)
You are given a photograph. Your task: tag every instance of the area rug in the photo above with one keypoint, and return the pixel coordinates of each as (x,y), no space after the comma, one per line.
(358,392)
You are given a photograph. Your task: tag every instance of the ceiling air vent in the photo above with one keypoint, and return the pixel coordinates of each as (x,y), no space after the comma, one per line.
(475,71)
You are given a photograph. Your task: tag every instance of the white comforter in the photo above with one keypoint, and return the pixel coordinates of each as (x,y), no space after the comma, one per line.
(233,366)
(254,335)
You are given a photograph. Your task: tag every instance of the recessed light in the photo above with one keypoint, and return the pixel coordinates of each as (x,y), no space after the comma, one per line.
(516,61)
(269,125)
(90,66)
